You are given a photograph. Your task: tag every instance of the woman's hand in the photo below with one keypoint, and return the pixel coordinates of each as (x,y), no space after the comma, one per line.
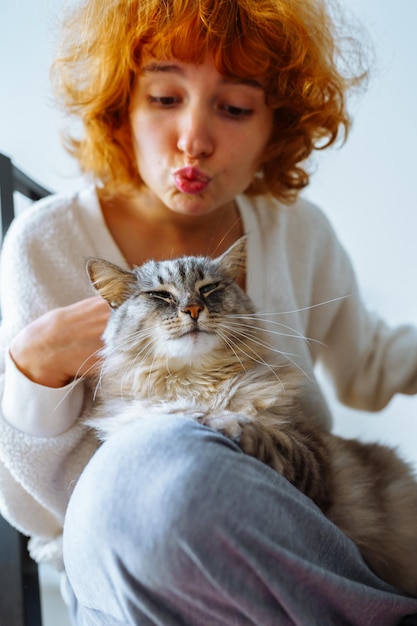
(63,343)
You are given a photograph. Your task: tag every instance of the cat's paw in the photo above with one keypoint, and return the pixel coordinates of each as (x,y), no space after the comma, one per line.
(228,423)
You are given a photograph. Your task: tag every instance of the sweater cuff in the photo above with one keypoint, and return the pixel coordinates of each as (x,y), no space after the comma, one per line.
(38,410)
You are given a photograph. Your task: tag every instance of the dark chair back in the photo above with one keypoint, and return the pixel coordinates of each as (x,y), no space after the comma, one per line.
(13,180)
(19,583)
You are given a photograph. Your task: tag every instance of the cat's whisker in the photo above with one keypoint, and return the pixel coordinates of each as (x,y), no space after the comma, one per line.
(249,351)
(300,310)
(139,338)
(133,338)
(98,385)
(250,334)
(224,237)
(265,318)
(257,331)
(142,355)
(73,383)
(245,333)
(230,344)
(264,344)
(294,332)
(255,334)
(79,377)
(151,369)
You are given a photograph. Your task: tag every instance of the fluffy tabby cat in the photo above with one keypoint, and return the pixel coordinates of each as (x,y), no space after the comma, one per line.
(183,337)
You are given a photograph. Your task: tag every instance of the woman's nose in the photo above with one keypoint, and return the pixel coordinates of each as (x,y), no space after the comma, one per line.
(195,137)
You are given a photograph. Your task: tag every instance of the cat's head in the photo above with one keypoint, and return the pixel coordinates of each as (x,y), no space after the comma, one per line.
(181,309)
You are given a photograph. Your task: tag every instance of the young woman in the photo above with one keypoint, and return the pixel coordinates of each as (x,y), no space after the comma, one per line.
(197,120)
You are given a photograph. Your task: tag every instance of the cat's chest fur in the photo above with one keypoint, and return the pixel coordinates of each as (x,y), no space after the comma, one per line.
(254,393)
(208,390)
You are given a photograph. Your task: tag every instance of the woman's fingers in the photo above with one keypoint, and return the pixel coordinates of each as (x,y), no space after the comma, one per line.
(62,343)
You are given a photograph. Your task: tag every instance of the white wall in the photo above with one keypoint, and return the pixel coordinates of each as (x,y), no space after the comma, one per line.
(29,123)
(368,188)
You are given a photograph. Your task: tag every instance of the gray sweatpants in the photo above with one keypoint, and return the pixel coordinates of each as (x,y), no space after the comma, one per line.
(171,524)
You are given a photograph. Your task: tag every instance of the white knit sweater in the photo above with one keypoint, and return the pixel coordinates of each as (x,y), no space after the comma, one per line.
(298,273)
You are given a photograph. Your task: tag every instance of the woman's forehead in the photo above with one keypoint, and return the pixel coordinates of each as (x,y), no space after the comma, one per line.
(152,66)
(236,55)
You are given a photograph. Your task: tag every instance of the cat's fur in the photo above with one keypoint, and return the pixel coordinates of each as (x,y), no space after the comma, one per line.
(183,337)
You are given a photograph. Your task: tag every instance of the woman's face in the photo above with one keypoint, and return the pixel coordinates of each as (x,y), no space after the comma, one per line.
(198,136)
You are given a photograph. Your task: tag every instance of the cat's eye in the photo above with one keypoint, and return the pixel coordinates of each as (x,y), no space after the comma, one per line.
(161,295)
(206,290)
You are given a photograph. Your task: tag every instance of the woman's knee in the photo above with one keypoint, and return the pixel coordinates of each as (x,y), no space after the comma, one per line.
(148,489)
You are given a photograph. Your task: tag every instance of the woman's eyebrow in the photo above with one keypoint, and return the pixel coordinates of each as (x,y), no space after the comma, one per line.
(161,67)
(236,80)
(156,67)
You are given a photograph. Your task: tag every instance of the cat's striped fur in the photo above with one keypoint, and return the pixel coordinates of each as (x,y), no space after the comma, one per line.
(184,337)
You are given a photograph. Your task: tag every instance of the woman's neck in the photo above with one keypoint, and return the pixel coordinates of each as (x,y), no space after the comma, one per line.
(143,231)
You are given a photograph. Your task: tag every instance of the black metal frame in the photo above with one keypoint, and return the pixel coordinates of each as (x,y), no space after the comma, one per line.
(20,603)
(13,179)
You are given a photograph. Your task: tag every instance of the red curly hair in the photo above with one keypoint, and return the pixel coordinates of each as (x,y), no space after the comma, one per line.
(292,45)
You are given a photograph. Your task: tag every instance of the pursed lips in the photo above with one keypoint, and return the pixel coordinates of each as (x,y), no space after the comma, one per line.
(191,180)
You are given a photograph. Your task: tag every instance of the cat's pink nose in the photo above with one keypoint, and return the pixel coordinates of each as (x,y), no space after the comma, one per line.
(194,310)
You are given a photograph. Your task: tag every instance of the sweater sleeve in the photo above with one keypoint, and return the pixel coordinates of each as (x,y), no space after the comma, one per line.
(44,446)
(368,361)
(39,410)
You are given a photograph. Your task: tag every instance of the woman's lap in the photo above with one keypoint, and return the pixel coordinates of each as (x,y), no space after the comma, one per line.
(172,524)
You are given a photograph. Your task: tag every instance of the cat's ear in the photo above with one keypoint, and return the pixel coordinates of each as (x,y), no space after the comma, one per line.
(113,283)
(233,261)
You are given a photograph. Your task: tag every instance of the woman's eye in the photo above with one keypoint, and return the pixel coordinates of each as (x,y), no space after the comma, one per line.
(161,295)
(206,290)
(165,102)
(236,112)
